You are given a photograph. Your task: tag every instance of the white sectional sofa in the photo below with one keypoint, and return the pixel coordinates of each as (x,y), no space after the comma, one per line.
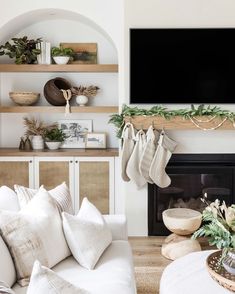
(114,272)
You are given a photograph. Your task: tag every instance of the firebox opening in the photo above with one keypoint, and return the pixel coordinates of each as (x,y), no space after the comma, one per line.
(191,177)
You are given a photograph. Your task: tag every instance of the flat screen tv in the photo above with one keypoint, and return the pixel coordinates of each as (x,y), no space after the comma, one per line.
(190,65)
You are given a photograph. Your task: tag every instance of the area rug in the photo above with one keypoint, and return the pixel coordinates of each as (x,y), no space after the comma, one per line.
(147,280)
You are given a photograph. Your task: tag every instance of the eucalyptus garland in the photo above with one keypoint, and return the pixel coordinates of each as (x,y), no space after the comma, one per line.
(186,113)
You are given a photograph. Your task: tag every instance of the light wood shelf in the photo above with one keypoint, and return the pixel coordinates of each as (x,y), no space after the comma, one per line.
(58,68)
(176,123)
(60,152)
(58,109)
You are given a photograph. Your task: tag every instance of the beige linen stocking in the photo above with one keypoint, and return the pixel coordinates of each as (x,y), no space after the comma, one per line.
(148,153)
(128,136)
(132,168)
(162,155)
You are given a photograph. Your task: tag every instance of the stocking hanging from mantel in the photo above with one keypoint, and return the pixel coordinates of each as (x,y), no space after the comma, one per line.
(132,168)
(157,172)
(128,137)
(148,153)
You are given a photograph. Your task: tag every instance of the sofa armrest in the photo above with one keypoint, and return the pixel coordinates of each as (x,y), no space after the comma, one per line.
(118,226)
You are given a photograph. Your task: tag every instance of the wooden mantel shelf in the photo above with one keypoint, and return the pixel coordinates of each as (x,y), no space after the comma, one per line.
(177,123)
(58,109)
(60,152)
(58,68)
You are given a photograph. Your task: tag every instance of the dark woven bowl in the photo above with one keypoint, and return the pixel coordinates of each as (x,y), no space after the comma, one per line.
(53,93)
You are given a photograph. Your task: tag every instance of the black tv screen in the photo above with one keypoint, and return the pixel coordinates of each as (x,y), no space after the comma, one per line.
(192,65)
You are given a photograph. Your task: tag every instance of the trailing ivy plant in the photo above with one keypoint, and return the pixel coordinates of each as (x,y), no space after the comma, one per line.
(186,113)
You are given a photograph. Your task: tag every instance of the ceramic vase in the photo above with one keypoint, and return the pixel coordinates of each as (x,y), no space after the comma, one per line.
(53,145)
(37,143)
(229,262)
(81,100)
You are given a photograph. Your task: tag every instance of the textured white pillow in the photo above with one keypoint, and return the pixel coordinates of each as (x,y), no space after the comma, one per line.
(8,199)
(33,233)
(60,193)
(87,234)
(44,280)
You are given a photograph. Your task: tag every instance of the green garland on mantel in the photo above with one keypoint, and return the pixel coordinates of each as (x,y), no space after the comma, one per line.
(186,113)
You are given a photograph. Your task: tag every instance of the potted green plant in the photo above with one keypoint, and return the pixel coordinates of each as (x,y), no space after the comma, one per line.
(22,49)
(61,55)
(53,138)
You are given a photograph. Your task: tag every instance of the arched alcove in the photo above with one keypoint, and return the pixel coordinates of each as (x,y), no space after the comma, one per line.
(53,24)
(24,20)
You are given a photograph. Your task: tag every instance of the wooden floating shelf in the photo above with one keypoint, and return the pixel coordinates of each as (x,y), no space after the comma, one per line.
(177,123)
(58,109)
(60,152)
(58,68)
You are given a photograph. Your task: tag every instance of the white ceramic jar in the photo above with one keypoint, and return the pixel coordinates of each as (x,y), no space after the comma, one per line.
(37,142)
(81,100)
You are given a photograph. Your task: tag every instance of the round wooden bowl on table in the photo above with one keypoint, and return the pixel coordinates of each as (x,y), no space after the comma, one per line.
(182,221)
(24,98)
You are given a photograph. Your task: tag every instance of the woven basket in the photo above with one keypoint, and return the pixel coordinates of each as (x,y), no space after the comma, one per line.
(218,273)
(24,98)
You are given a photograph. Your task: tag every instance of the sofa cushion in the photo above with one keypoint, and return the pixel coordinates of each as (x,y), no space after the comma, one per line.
(87,234)
(35,232)
(8,199)
(60,193)
(44,280)
(113,272)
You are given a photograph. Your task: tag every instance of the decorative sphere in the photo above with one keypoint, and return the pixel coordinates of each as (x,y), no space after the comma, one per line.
(81,100)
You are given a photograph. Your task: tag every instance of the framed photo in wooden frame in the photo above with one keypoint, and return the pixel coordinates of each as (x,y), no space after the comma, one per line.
(95,140)
(85,53)
(75,131)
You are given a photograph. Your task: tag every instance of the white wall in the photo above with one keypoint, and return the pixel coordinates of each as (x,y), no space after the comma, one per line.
(171,13)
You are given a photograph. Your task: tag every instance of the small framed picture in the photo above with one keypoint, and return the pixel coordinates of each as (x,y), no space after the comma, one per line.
(84,53)
(96,140)
(75,131)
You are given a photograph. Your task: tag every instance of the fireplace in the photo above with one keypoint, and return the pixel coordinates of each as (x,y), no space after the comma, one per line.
(191,175)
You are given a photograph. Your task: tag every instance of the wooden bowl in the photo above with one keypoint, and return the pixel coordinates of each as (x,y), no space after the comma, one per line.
(24,98)
(182,221)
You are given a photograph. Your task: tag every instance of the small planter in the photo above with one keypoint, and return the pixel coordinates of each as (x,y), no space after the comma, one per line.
(61,59)
(37,142)
(81,100)
(53,145)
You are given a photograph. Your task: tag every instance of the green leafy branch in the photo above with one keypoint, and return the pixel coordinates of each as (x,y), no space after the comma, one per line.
(186,113)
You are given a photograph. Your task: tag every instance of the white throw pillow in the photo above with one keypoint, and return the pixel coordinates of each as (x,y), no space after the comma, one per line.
(45,281)
(7,268)
(87,234)
(60,193)
(8,199)
(33,233)
(5,289)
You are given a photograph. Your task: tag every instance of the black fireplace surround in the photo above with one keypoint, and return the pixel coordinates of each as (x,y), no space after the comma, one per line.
(192,175)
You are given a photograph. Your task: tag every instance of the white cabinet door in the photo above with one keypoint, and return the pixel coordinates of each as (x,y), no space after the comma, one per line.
(52,171)
(94,179)
(16,170)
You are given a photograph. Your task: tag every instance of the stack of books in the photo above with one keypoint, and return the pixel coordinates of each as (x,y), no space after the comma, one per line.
(45,56)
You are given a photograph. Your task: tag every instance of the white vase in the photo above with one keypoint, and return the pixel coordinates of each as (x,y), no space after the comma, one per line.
(81,100)
(53,145)
(37,143)
(61,59)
